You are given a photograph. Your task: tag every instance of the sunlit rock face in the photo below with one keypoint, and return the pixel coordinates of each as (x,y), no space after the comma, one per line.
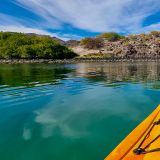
(132,46)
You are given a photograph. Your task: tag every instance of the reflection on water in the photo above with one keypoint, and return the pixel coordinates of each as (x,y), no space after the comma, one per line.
(121,72)
(35,75)
(21,83)
(72,111)
(30,75)
(115,74)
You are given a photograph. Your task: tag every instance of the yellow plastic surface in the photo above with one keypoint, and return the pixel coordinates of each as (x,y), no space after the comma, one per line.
(124,151)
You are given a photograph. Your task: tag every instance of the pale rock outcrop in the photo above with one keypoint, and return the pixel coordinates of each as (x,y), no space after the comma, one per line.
(135,46)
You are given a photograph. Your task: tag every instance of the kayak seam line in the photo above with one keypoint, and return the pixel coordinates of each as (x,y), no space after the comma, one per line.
(139,137)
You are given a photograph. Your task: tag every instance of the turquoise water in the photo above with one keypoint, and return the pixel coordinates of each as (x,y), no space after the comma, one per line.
(73,111)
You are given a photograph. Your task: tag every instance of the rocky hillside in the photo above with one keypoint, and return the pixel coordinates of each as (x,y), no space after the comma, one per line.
(114,45)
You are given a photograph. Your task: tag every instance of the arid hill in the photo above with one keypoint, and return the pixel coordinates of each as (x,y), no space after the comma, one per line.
(114,45)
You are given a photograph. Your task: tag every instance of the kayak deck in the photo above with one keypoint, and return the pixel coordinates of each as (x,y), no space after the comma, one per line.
(124,151)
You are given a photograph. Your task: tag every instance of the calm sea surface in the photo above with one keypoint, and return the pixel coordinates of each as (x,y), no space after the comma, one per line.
(73,111)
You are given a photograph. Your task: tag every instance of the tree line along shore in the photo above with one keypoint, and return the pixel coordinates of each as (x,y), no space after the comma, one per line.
(32,46)
(110,46)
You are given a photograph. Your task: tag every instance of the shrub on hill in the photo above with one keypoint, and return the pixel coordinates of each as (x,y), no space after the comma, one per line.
(111,36)
(92,43)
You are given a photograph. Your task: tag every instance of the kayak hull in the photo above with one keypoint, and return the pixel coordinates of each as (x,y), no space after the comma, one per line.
(124,151)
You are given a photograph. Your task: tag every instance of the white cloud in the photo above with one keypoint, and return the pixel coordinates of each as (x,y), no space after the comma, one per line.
(12,24)
(152,27)
(125,16)
(27,134)
(94,15)
(22,29)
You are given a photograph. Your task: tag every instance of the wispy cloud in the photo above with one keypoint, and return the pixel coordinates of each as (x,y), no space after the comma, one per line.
(146,29)
(91,16)
(94,15)
(10,23)
(13,24)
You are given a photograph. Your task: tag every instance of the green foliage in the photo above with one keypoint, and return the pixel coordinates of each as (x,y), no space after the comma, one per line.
(18,45)
(111,36)
(92,43)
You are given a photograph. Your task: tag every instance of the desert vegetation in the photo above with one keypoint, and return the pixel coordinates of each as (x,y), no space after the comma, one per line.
(145,45)
(92,43)
(111,36)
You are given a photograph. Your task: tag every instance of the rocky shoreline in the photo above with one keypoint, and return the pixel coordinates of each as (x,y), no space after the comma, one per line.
(78,60)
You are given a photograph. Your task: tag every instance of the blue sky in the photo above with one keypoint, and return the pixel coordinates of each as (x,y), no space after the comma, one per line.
(75,19)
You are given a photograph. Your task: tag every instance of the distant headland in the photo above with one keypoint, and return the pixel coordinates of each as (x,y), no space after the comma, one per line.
(110,46)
